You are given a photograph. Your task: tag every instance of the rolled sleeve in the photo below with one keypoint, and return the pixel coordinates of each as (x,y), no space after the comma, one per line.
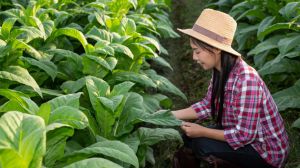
(246,105)
(202,107)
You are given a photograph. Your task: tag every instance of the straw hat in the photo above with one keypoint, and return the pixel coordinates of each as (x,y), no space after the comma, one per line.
(214,28)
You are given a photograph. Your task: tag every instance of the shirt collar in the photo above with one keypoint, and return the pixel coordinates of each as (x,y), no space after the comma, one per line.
(237,65)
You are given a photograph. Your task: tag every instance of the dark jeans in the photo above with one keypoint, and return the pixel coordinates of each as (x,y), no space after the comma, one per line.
(245,157)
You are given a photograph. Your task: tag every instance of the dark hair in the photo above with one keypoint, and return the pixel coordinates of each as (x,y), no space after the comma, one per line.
(219,80)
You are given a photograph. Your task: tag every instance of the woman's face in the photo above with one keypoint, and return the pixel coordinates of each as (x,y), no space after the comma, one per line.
(207,59)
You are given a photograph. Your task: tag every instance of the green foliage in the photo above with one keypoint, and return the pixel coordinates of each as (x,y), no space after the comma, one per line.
(113,149)
(82,70)
(23,140)
(94,163)
(288,98)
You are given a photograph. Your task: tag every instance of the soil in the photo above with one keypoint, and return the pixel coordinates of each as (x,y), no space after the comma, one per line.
(187,75)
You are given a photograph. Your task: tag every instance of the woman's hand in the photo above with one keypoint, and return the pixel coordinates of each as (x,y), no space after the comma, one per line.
(193,130)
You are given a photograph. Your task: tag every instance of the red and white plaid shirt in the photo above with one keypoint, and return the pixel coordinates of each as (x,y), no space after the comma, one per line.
(250,115)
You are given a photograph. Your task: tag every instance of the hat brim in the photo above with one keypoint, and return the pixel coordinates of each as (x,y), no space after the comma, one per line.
(209,41)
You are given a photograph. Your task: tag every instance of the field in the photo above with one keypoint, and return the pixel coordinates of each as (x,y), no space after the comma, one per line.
(91,83)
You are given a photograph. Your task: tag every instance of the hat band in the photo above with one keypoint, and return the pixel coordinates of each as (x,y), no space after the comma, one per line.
(211,35)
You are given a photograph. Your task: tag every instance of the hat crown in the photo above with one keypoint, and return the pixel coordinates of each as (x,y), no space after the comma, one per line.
(217,22)
(214,28)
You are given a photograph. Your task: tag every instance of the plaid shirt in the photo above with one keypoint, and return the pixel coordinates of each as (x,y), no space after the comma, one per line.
(250,115)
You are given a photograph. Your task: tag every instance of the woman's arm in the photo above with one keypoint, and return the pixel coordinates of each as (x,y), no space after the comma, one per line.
(194,130)
(185,114)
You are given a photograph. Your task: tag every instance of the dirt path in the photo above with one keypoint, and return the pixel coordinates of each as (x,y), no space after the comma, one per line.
(187,75)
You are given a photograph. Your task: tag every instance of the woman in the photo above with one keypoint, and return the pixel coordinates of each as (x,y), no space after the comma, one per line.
(250,131)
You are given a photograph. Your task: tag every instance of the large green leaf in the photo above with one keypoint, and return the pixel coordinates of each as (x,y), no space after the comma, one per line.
(73,86)
(162,62)
(122,49)
(30,92)
(7,26)
(141,139)
(95,66)
(151,104)
(14,95)
(48,66)
(12,105)
(99,61)
(49,26)
(132,109)
(149,136)
(163,84)
(17,44)
(13,12)
(244,33)
(237,8)
(112,61)
(164,101)
(22,140)
(71,100)
(163,117)
(130,27)
(99,34)
(72,33)
(37,23)
(288,98)
(121,88)
(150,41)
(290,10)
(103,47)
(144,22)
(166,31)
(17,102)
(139,50)
(134,3)
(26,33)
(279,66)
(94,163)
(113,149)
(278,26)
(263,25)
(21,75)
(70,116)
(268,44)
(44,112)
(99,88)
(133,77)
(57,135)
(111,103)
(285,45)
(252,12)
(31,106)
(98,5)
(288,43)
(67,54)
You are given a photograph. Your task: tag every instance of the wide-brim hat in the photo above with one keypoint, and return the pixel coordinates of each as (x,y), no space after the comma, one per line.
(214,28)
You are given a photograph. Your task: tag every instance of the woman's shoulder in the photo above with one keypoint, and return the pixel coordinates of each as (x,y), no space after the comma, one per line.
(245,71)
(246,74)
